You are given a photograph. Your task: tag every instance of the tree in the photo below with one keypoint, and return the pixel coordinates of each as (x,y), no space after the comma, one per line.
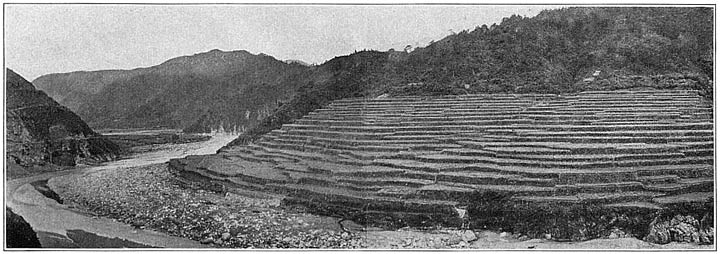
(408,48)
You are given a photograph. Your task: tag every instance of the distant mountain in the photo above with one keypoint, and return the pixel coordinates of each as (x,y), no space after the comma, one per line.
(74,88)
(198,92)
(40,131)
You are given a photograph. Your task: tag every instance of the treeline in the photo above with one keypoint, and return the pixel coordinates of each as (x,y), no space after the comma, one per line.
(554,51)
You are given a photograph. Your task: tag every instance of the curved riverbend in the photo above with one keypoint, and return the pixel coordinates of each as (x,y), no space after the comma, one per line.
(52,220)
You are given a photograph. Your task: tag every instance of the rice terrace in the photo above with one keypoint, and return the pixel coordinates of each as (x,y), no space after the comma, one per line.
(573,128)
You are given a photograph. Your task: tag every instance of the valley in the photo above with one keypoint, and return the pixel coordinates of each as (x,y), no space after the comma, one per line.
(574,128)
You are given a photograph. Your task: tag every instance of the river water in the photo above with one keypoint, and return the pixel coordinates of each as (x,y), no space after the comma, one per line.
(60,227)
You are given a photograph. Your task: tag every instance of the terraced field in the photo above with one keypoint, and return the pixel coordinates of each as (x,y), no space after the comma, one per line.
(406,156)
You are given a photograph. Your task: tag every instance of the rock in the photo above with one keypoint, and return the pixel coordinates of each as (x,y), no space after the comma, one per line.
(206,240)
(468,236)
(679,219)
(548,236)
(225,236)
(684,229)
(504,234)
(659,232)
(616,233)
(707,235)
(407,242)
(219,241)
(453,240)
(613,235)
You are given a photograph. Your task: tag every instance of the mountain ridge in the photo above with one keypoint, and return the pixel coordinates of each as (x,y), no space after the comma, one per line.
(141,98)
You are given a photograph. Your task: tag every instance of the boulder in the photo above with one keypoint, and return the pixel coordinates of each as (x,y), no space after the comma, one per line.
(659,232)
(684,229)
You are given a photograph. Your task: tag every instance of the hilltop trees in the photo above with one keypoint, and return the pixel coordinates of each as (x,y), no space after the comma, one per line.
(554,50)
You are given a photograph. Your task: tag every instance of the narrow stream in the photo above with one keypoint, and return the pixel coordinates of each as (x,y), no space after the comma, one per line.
(58,226)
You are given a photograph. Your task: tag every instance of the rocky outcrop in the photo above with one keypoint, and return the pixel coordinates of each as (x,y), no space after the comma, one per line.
(40,131)
(684,229)
(18,233)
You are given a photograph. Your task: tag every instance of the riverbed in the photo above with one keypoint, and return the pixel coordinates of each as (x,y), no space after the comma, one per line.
(59,226)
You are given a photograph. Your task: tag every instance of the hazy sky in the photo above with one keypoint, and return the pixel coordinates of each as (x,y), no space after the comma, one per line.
(42,39)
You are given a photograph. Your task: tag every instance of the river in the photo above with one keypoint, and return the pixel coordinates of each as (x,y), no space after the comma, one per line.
(58,226)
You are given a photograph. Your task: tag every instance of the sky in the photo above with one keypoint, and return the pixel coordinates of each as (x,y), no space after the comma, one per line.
(50,38)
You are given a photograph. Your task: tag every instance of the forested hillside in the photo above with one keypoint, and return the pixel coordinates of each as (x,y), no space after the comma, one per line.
(555,50)
(558,51)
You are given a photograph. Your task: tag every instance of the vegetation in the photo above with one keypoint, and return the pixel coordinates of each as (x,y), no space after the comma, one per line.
(554,52)
(343,77)
(557,51)
(196,93)
(41,131)
(581,221)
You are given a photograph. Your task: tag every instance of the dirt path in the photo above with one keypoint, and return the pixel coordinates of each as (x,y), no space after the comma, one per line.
(53,220)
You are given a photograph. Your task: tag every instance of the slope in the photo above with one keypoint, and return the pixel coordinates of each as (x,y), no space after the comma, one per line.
(39,130)
(558,51)
(232,89)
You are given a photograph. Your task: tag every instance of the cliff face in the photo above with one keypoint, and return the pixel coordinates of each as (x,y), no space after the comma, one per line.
(40,131)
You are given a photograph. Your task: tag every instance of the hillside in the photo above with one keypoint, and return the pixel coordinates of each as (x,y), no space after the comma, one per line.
(72,89)
(341,77)
(197,92)
(558,51)
(40,131)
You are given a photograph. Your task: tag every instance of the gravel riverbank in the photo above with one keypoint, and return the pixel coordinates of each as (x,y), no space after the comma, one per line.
(151,197)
